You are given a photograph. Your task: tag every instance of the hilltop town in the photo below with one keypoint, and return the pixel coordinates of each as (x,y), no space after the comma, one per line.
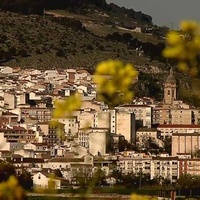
(155,139)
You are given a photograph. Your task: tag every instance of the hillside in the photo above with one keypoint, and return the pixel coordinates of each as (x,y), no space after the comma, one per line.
(73,41)
(67,39)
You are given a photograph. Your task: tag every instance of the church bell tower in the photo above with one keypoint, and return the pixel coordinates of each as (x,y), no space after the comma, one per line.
(170,89)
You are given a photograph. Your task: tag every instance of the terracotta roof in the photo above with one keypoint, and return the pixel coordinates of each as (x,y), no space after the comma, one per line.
(133,105)
(25,160)
(81,71)
(18,128)
(39,144)
(81,165)
(185,134)
(178,126)
(9,113)
(165,158)
(67,160)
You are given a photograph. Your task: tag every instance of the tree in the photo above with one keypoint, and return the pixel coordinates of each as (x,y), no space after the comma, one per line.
(58,173)
(167,145)
(25,180)
(6,170)
(83,177)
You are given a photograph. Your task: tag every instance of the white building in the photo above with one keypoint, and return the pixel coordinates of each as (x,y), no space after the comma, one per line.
(166,130)
(6,70)
(95,139)
(44,181)
(125,125)
(143,113)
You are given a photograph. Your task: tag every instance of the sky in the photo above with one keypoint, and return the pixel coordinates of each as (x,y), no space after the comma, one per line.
(164,12)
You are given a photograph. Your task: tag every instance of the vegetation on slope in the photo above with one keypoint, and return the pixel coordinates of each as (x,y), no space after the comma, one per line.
(81,38)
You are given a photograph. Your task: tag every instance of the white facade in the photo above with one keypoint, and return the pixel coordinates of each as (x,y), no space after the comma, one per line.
(185,143)
(98,142)
(166,130)
(102,119)
(40,180)
(125,125)
(95,139)
(142,113)
(71,125)
(50,74)
(165,167)
(6,70)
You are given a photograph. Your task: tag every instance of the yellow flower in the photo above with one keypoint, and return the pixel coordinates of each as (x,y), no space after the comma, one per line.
(65,108)
(188,26)
(11,190)
(184,46)
(173,37)
(114,79)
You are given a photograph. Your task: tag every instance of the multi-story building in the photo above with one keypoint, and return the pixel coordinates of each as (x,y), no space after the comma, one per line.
(182,116)
(189,166)
(8,118)
(102,119)
(40,114)
(18,134)
(50,133)
(70,125)
(143,113)
(164,167)
(85,118)
(185,143)
(97,140)
(147,132)
(166,130)
(144,134)
(161,167)
(125,125)
(136,163)
(161,115)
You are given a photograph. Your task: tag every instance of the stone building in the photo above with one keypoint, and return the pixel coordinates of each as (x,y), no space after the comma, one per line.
(170,89)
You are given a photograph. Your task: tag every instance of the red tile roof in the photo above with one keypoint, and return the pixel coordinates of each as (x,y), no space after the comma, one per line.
(178,126)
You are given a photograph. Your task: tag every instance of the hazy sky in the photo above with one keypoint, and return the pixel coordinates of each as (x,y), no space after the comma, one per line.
(164,12)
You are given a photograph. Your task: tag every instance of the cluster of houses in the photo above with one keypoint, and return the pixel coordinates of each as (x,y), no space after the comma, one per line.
(28,139)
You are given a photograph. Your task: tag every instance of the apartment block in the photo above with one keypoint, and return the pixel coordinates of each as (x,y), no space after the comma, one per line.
(165,167)
(185,143)
(143,113)
(125,125)
(166,130)
(97,140)
(137,163)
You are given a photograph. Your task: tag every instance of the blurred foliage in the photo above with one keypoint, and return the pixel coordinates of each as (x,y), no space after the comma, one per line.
(114,80)
(25,180)
(6,170)
(11,190)
(184,46)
